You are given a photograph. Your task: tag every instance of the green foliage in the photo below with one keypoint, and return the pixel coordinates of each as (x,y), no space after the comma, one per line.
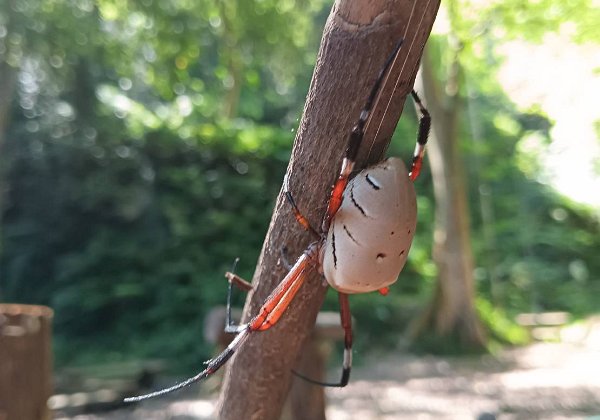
(168,219)
(501,328)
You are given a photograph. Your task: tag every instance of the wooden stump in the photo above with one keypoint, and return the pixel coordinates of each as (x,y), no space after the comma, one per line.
(25,362)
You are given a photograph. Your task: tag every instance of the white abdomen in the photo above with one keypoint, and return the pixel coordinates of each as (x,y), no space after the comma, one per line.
(370,236)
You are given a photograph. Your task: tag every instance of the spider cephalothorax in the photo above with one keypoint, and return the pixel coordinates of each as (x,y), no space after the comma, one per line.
(362,244)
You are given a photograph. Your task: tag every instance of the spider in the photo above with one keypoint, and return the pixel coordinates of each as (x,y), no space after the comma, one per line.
(361,247)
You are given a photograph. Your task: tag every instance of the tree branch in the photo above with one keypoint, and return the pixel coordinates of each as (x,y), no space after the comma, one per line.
(358,37)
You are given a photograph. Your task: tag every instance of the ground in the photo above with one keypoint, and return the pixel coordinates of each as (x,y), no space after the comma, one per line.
(540,381)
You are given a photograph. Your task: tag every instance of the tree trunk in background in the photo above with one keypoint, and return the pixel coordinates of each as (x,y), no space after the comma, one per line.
(358,37)
(25,362)
(8,82)
(452,313)
(234,61)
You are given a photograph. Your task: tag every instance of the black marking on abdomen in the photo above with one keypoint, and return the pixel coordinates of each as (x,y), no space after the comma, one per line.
(372,182)
(355,203)
(333,246)
(350,235)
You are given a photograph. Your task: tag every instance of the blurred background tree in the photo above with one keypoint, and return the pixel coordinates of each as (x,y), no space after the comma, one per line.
(142,145)
(448,79)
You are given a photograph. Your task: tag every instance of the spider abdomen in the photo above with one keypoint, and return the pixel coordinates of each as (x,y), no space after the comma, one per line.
(370,236)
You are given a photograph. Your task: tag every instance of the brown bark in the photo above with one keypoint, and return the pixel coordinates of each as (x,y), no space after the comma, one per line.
(358,37)
(452,312)
(25,362)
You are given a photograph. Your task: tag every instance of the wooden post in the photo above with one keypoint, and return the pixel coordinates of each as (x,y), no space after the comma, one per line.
(358,37)
(25,362)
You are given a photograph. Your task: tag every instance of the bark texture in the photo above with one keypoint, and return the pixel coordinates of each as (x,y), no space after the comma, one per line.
(358,37)
(452,312)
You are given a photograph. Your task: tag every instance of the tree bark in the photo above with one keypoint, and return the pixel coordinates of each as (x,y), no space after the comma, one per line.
(452,312)
(358,37)
(25,362)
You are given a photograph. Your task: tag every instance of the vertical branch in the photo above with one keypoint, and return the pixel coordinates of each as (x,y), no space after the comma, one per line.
(358,37)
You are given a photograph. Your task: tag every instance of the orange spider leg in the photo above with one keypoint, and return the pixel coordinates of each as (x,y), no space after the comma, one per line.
(285,301)
(335,201)
(268,315)
(346,319)
(297,213)
(282,295)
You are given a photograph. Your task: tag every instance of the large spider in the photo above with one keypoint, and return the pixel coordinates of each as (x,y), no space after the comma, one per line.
(362,246)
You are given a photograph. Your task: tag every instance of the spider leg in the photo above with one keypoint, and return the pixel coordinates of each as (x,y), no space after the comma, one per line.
(422,136)
(268,315)
(230,326)
(284,293)
(212,366)
(346,320)
(354,141)
(297,213)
